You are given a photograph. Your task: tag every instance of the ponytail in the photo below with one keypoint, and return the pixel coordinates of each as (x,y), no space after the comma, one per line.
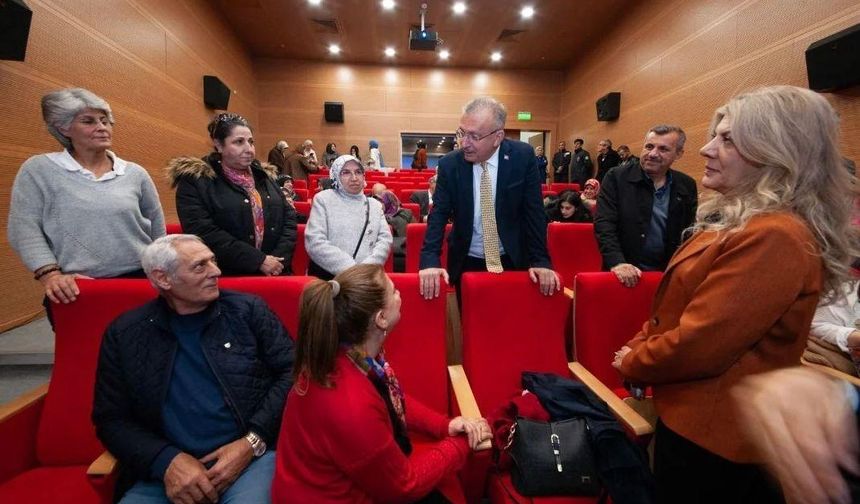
(317,343)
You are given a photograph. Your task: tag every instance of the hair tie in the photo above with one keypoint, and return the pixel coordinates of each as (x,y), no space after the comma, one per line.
(335,288)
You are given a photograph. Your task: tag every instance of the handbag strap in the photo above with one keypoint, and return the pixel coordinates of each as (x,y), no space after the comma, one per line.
(366,221)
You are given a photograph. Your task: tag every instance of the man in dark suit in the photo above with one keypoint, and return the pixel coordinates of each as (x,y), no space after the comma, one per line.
(488,172)
(643,209)
(424,198)
(606,158)
(277,156)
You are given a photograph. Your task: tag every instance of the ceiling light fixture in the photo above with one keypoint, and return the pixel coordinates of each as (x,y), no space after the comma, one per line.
(390,52)
(334,49)
(314,2)
(388,4)
(496,56)
(444,54)
(527,12)
(459,7)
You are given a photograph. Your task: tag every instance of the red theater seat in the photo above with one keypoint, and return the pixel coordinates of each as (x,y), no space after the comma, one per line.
(572,249)
(300,184)
(174,228)
(415,240)
(302,194)
(415,208)
(300,254)
(303,208)
(559,187)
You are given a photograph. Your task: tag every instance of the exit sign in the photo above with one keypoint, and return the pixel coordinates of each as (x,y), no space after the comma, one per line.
(524,116)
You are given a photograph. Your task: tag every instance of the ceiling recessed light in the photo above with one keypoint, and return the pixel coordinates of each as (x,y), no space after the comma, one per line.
(314,2)
(527,12)
(444,54)
(389,51)
(496,56)
(334,49)
(388,4)
(459,7)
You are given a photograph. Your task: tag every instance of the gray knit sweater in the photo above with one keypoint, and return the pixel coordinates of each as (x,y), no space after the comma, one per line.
(96,228)
(334,228)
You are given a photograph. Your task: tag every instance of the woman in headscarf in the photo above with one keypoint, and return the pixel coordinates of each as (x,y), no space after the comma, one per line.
(589,195)
(345,226)
(330,154)
(375,162)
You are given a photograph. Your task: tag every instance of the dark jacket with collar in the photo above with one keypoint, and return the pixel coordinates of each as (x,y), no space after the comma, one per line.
(624,213)
(136,362)
(581,167)
(561,165)
(606,161)
(520,217)
(219,212)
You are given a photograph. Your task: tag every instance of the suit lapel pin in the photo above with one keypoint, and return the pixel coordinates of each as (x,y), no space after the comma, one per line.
(227,345)
(507,157)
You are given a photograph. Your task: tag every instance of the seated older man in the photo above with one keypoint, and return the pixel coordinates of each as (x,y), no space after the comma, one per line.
(190,387)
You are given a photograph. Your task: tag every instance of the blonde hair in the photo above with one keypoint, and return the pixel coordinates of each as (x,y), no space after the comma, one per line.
(791,136)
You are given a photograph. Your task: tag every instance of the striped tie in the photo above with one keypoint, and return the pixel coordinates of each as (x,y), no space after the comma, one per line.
(488,222)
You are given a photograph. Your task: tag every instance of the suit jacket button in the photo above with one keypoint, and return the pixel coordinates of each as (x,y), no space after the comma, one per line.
(246,201)
(642,235)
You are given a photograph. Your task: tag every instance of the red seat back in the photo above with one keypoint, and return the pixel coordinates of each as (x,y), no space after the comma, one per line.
(415,240)
(174,228)
(300,254)
(300,184)
(301,193)
(405,194)
(606,316)
(559,187)
(573,249)
(416,347)
(415,208)
(303,208)
(509,327)
(282,294)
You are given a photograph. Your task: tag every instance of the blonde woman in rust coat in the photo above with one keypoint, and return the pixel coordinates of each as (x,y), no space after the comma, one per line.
(738,297)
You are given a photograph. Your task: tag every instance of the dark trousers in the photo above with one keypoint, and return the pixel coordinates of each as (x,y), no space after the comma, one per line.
(687,473)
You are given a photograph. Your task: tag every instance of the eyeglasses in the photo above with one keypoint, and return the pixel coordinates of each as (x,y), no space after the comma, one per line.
(461,135)
(349,174)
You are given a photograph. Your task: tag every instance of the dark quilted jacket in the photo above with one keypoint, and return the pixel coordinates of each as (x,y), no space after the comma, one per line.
(136,361)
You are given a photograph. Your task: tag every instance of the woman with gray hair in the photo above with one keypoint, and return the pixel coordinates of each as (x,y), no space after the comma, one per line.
(81,212)
(346,227)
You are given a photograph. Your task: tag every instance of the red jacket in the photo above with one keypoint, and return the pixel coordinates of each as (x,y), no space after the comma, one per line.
(337,446)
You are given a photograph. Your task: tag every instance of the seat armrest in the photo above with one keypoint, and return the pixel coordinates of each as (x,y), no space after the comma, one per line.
(464,396)
(19,426)
(625,414)
(832,372)
(103,466)
(22,402)
(569,293)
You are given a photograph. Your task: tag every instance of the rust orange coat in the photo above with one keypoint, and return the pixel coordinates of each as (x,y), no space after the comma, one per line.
(730,305)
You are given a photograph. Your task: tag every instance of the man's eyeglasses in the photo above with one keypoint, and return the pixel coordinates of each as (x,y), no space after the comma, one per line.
(461,135)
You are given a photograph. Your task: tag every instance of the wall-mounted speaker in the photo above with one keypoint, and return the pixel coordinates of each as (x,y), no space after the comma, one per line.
(609,107)
(15,19)
(216,94)
(333,111)
(834,62)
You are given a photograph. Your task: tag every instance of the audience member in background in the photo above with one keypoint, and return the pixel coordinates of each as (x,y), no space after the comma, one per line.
(234,203)
(569,208)
(490,189)
(643,210)
(397,217)
(377,189)
(278,157)
(286,183)
(836,330)
(589,196)
(300,165)
(419,160)
(187,415)
(345,436)
(606,158)
(738,298)
(625,157)
(542,163)
(424,198)
(330,154)
(374,159)
(354,152)
(324,183)
(345,227)
(581,165)
(561,163)
(550,202)
(82,212)
(804,425)
(309,152)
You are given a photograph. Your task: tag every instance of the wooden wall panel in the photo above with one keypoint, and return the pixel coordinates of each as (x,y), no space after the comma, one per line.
(381,102)
(675,61)
(147,59)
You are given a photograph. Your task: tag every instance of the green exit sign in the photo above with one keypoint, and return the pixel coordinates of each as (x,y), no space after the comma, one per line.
(524,116)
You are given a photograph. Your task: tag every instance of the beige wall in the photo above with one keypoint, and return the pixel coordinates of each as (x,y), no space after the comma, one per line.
(147,60)
(381,102)
(675,61)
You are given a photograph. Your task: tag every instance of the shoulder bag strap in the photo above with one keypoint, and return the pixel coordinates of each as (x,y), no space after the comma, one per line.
(366,221)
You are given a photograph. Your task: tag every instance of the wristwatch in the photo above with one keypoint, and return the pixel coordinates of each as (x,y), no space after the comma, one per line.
(256,442)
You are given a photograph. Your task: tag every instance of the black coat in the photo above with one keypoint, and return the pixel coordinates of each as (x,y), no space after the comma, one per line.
(136,362)
(606,161)
(561,165)
(624,214)
(581,167)
(219,212)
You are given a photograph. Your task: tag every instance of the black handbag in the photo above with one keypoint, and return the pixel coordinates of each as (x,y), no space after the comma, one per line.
(552,458)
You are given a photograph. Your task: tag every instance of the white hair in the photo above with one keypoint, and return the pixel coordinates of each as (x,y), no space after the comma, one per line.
(60,108)
(161,255)
(500,114)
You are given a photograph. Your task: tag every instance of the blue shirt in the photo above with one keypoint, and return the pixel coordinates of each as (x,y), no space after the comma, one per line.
(654,250)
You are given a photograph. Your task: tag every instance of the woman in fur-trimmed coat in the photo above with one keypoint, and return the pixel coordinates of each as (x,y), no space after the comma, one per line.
(233,203)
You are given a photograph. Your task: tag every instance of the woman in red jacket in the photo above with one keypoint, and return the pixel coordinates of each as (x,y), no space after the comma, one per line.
(344,435)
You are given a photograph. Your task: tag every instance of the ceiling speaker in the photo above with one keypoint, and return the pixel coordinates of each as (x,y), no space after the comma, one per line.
(216,94)
(609,107)
(333,112)
(834,62)
(15,19)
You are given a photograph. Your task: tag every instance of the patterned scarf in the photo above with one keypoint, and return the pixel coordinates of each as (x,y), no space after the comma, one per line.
(380,372)
(245,180)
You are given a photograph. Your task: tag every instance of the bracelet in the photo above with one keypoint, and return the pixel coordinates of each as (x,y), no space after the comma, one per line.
(45,271)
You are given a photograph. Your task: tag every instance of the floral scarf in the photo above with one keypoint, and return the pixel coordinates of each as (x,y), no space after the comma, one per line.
(245,180)
(380,372)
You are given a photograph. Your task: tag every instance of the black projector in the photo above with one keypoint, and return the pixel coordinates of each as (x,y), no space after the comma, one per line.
(423,40)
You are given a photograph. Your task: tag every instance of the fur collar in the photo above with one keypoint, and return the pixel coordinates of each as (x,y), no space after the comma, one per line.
(187,166)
